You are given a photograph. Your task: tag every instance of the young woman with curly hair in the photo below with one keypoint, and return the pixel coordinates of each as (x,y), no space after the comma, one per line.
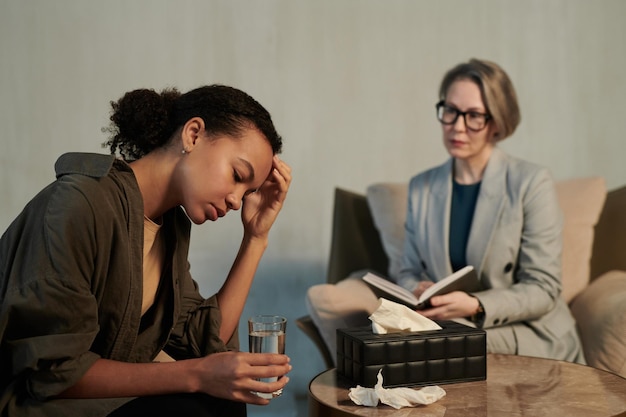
(95,283)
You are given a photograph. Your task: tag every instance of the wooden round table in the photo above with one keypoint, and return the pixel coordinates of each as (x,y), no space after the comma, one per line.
(515,386)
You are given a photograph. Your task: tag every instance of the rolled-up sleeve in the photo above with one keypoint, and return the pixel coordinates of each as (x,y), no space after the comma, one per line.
(46,341)
(196,332)
(49,314)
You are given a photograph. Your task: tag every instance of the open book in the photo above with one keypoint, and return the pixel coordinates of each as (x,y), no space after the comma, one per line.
(465,279)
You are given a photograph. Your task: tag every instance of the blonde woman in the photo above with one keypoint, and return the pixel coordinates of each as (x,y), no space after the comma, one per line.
(485,208)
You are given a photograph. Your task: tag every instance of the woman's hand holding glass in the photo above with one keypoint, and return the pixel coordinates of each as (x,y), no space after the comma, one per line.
(236,375)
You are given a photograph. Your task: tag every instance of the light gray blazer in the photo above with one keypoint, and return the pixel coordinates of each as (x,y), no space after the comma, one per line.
(515,245)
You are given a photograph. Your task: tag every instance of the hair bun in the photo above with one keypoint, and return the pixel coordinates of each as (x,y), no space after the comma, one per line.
(143,117)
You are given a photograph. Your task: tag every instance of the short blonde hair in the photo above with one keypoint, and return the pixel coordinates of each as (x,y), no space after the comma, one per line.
(497,92)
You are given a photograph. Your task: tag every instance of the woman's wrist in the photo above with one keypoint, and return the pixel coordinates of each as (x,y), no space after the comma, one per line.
(479,314)
(250,240)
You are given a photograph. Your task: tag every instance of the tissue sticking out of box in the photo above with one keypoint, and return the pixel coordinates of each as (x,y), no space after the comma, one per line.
(394,397)
(392,317)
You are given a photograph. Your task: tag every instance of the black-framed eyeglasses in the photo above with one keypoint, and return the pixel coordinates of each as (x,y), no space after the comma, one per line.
(474,120)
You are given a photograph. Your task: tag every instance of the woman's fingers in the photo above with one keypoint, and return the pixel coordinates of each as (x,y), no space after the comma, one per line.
(456,304)
(258,359)
(236,375)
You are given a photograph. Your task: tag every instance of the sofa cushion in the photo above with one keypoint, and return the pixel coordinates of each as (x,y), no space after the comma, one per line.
(600,313)
(581,201)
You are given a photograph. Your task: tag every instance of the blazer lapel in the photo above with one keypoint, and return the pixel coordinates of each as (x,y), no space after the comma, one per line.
(438,247)
(488,208)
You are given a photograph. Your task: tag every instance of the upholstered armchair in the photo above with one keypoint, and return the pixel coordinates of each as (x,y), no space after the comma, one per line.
(367,227)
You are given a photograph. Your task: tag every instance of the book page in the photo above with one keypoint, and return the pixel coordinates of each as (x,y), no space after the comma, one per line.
(390,290)
(465,279)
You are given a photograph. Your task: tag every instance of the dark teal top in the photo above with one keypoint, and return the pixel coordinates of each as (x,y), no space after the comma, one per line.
(461,214)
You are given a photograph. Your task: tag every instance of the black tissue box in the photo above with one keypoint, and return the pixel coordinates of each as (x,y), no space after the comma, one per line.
(456,353)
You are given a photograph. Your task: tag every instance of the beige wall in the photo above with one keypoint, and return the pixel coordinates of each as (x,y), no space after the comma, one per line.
(351,85)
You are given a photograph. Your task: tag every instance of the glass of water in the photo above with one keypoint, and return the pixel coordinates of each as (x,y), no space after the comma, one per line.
(266,334)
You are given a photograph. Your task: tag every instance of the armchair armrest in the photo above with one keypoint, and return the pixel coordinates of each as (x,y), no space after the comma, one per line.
(355,242)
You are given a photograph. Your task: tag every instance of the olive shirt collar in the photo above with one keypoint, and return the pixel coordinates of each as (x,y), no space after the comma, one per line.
(90,164)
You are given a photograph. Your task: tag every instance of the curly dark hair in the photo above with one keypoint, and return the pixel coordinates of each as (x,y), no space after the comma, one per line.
(143,120)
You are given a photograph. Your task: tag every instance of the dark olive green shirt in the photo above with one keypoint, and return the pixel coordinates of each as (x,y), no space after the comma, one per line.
(71,289)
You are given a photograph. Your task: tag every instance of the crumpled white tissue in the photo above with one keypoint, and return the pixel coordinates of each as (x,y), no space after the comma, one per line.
(394,397)
(392,317)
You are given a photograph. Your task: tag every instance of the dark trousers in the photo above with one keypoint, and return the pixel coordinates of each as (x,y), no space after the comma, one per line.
(197,405)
